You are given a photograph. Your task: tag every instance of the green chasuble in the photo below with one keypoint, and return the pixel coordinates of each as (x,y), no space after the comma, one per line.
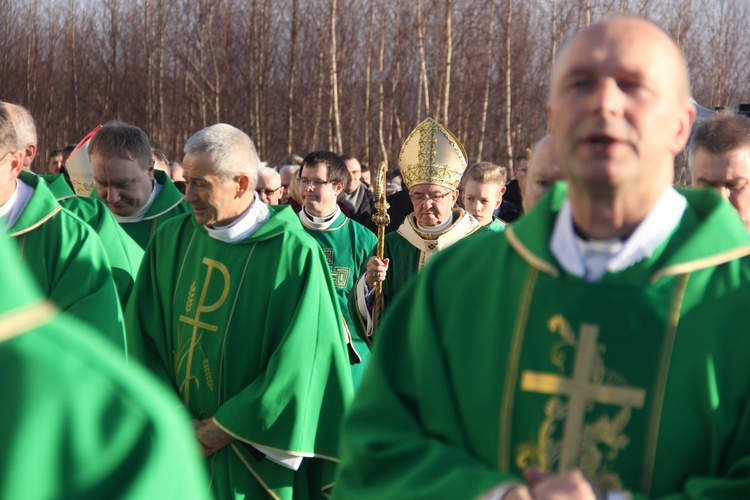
(123,252)
(168,203)
(68,261)
(249,334)
(408,249)
(347,246)
(77,421)
(640,379)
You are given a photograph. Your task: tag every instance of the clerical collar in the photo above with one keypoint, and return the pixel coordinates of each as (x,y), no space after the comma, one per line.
(440,228)
(12,209)
(318,223)
(592,259)
(246,224)
(140,214)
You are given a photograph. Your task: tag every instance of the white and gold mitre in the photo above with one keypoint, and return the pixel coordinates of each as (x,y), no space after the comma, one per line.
(432,154)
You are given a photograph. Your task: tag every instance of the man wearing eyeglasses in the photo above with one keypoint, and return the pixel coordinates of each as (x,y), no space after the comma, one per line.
(432,161)
(269,185)
(65,255)
(345,243)
(719,158)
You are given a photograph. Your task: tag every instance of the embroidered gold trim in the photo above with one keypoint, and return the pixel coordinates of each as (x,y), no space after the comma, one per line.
(25,318)
(219,402)
(528,256)
(37,223)
(673,319)
(255,474)
(511,376)
(182,266)
(689,267)
(286,452)
(156,216)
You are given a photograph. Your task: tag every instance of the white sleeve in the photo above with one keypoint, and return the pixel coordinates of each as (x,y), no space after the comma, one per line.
(284,459)
(363,296)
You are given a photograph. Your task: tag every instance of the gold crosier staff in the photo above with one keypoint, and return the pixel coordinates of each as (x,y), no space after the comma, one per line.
(381,219)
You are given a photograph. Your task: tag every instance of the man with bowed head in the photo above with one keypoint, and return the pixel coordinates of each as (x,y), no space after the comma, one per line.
(235,310)
(619,370)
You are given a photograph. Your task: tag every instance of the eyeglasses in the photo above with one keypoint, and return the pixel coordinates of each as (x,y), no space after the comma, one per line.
(317,183)
(6,154)
(421,198)
(268,192)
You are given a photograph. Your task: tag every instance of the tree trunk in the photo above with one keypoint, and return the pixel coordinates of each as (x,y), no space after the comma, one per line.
(335,81)
(508,88)
(448,60)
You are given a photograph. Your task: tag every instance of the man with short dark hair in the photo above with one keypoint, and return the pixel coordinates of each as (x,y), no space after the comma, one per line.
(54,162)
(355,192)
(123,168)
(345,243)
(619,367)
(234,309)
(719,158)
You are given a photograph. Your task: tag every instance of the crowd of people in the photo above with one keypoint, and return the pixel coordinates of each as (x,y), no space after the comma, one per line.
(211,328)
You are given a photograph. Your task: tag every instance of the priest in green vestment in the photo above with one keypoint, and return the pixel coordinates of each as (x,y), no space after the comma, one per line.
(140,197)
(432,161)
(65,256)
(234,308)
(77,421)
(618,368)
(346,243)
(123,252)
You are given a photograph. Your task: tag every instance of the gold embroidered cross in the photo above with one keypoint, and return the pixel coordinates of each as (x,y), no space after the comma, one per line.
(580,391)
(197,324)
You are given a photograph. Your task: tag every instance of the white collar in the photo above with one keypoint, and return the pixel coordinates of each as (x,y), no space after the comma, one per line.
(440,228)
(318,223)
(12,209)
(250,221)
(590,260)
(140,214)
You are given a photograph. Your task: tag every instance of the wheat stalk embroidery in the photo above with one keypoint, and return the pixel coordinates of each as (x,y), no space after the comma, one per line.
(190,297)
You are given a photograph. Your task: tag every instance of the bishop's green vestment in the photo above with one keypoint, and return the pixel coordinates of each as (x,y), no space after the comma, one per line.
(640,379)
(123,252)
(168,203)
(408,249)
(68,261)
(249,334)
(77,421)
(347,246)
